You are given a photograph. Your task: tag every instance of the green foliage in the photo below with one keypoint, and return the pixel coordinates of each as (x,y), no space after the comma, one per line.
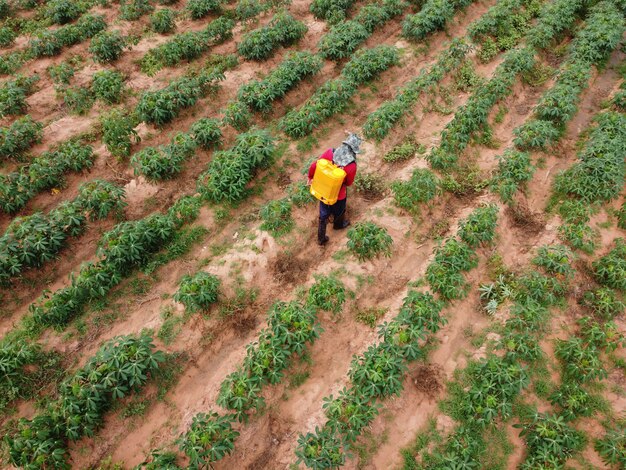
(604,303)
(612,447)
(64,11)
(77,99)
(207,133)
(187,46)
(610,270)
(581,360)
(514,169)
(328,293)
(44,172)
(248,9)
(370,185)
(300,194)
(282,30)
(161,106)
(132,10)
(33,240)
(550,441)
(260,94)
(48,43)
(200,8)
(333,96)
(125,247)
(276,216)
(290,327)
(332,11)
(198,292)
(231,170)
(322,449)
(403,151)
(621,217)
(209,439)
(600,173)
(473,116)
(422,187)
(118,132)
(554,18)
(166,161)
(107,86)
(555,260)
(466,78)
(107,46)
(120,366)
(480,226)
(163,21)
(237,115)
(19,137)
(573,400)
(433,16)
(62,73)
(368,240)
(444,272)
(13,95)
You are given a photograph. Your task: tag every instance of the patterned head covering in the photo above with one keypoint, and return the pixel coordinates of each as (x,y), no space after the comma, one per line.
(346,153)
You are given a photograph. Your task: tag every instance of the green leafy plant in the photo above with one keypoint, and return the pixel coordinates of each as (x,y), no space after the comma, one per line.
(107,47)
(370,185)
(612,447)
(209,439)
(479,227)
(433,16)
(19,137)
(444,273)
(300,194)
(77,99)
(198,292)
(108,86)
(260,94)
(276,216)
(166,161)
(328,293)
(64,11)
(200,8)
(248,9)
(282,30)
(207,133)
(332,11)
(118,132)
(43,172)
(368,240)
(237,115)
(422,187)
(132,10)
(61,73)
(163,21)
(610,270)
(322,449)
(13,95)
(515,169)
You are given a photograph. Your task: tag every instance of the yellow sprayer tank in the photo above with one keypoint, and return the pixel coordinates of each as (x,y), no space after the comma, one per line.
(327,181)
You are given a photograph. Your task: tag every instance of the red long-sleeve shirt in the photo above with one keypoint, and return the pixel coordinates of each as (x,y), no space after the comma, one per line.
(350,170)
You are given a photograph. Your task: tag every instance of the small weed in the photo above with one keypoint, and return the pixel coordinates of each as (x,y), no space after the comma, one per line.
(370,315)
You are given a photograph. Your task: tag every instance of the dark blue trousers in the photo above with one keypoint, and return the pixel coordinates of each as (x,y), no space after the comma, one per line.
(336,210)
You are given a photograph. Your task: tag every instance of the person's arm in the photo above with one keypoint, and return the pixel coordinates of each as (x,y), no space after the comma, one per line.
(312,170)
(350,174)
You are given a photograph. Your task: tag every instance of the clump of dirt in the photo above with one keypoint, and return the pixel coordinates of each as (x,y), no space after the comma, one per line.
(531,223)
(428,379)
(289,269)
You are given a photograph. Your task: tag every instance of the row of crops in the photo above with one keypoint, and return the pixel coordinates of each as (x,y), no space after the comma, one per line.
(494,383)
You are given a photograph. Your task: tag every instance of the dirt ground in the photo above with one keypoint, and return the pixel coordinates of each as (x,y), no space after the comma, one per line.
(237,251)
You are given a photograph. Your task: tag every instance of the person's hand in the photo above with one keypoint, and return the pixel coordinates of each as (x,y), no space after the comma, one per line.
(309,181)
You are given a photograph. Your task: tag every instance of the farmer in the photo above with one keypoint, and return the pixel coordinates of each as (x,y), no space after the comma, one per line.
(344,157)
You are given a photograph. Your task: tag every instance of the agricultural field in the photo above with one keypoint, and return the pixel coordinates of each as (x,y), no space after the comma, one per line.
(164,303)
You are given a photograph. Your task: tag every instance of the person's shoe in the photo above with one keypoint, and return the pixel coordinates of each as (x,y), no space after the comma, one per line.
(340,222)
(322,239)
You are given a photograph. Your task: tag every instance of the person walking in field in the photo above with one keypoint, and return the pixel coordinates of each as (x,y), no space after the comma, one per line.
(329,183)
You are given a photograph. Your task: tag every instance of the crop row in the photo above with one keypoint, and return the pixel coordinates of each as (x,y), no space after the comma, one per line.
(473,116)
(42,173)
(161,106)
(13,95)
(291,326)
(592,46)
(282,30)
(502,26)
(187,46)
(120,366)
(334,95)
(433,16)
(381,121)
(345,37)
(487,388)
(33,240)
(19,137)
(379,372)
(598,177)
(332,11)
(559,104)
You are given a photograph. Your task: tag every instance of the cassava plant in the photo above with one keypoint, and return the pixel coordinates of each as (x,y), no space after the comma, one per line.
(366,240)
(198,292)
